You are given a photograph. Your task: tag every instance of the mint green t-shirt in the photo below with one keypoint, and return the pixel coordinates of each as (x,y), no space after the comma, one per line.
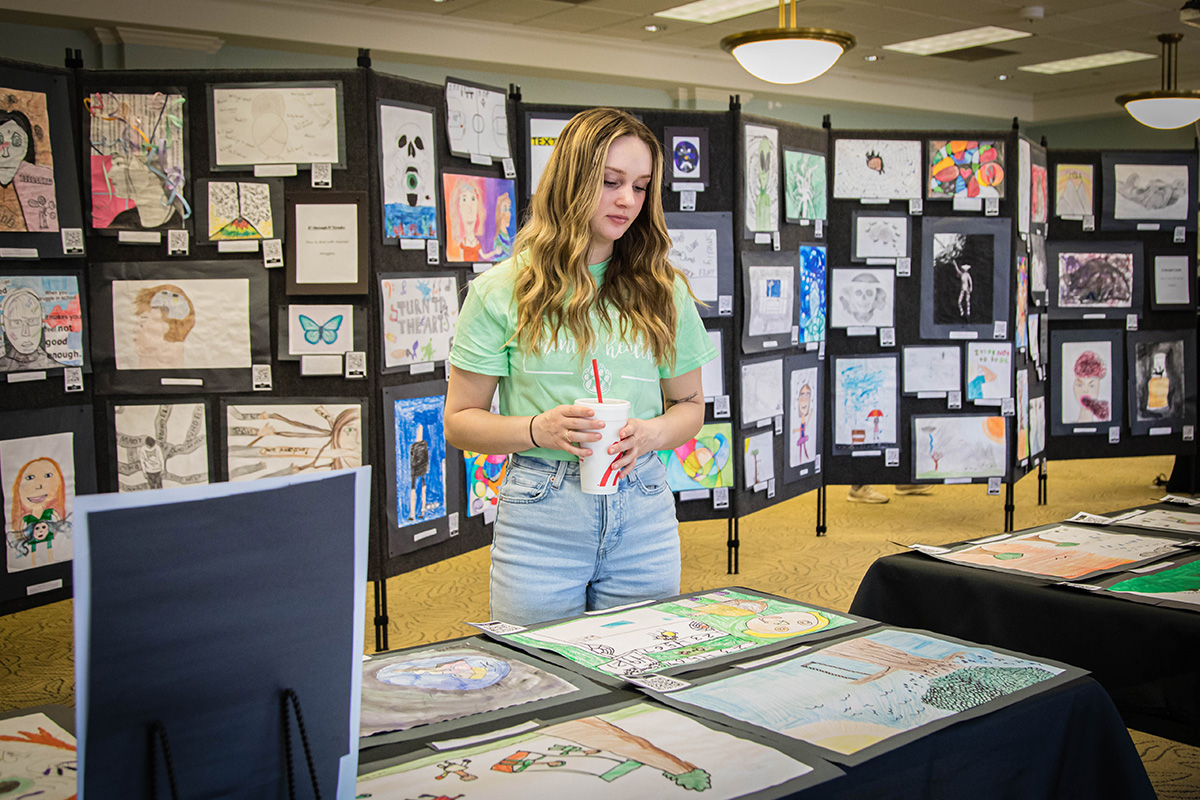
(531,383)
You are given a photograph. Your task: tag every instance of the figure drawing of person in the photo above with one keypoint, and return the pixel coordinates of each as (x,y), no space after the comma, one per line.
(23,321)
(803,416)
(418,471)
(39,496)
(466,220)
(1089,372)
(164,316)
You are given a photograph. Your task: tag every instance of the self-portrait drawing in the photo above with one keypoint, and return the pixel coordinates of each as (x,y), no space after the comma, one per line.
(41,322)
(27,199)
(37,476)
(183,324)
(479,213)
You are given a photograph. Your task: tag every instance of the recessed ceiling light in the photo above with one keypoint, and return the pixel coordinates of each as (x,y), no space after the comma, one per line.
(870,58)
(1087,62)
(708,11)
(655,28)
(1001,77)
(959,40)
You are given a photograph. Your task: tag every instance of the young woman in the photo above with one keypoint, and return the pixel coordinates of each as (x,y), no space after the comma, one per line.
(589,279)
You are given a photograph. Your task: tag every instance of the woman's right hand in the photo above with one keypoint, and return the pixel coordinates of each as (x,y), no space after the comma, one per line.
(566,428)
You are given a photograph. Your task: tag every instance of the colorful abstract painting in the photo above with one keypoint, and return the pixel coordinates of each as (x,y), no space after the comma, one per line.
(965,168)
(420,440)
(27,198)
(484,473)
(480,217)
(419,315)
(703,462)
(41,321)
(812,293)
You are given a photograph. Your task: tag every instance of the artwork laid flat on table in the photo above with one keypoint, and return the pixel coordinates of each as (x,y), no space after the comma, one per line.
(805,422)
(758,460)
(1094,280)
(761,160)
(1162,375)
(288,437)
(965,279)
(42,322)
(762,390)
(929,368)
(1174,586)
(804,185)
(880,234)
(965,168)
(1073,191)
(702,247)
(1163,519)
(770,300)
(39,758)
(862,298)
(276,123)
(682,633)
(1089,365)
(639,750)
(866,403)
(812,293)
(687,154)
(862,696)
(476,120)
(407,171)
(1142,189)
(480,221)
(417,688)
(1066,552)
(970,446)
(137,159)
(703,462)
(882,169)
(161,445)
(419,315)
(238,211)
(989,372)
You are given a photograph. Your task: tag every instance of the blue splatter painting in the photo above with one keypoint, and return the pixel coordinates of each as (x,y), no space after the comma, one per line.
(812,293)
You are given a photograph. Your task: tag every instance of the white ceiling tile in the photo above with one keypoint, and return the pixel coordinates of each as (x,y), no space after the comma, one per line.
(580,19)
(509,11)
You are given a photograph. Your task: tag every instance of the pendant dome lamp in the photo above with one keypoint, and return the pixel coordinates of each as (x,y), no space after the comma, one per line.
(1168,107)
(787,54)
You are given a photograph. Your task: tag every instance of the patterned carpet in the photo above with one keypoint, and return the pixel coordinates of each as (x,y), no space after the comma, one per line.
(779,553)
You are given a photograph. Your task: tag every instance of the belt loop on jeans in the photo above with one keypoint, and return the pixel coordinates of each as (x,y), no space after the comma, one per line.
(560,474)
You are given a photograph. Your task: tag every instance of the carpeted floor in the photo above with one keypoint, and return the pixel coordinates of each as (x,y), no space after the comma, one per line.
(779,553)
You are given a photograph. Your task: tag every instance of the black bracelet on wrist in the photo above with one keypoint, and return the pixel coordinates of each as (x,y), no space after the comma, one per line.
(531,439)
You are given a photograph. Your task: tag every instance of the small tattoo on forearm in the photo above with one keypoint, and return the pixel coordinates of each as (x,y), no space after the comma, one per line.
(673,402)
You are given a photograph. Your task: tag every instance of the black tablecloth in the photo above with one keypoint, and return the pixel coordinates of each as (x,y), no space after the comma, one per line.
(1144,656)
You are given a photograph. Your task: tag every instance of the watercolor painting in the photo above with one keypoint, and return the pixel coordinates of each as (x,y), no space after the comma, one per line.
(480,218)
(192,323)
(1160,384)
(804,417)
(862,297)
(1067,552)
(408,171)
(27,191)
(420,450)
(684,631)
(762,390)
(640,750)
(881,169)
(1095,280)
(288,123)
(1085,367)
(37,477)
(1073,191)
(39,759)
(804,186)
(762,178)
(961,168)
(865,408)
(812,293)
(161,446)
(853,695)
(419,315)
(136,158)
(962,446)
(772,293)
(932,369)
(703,462)
(758,458)
(268,440)
(962,278)
(41,322)
(1151,191)
(447,681)
(484,473)
(989,370)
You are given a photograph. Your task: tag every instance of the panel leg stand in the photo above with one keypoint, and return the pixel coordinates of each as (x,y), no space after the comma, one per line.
(381,617)
(1041,479)
(1009,508)
(822,508)
(732,543)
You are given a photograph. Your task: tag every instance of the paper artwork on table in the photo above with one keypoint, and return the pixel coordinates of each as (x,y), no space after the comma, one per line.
(1176,586)
(989,370)
(932,369)
(965,168)
(684,631)
(161,445)
(543,133)
(1022,414)
(1037,262)
(962,446)
(1024,184)
(27,169)
(239,210)
(758,457)
(963,277)
(1067,552)
(476,120)
(762,178)
(880,236)
(419,315)
(762,390)
(812,293)
(694,252)
(1037,425)
(187,323)
(1173,281)
(1040,193)
(1086,369)
(448,681)
(1161,387)
(1021,332)
(42,322)
(1151,191)
(642,750)
(862,297)
(1073,191)
(37,478)
(39,759)
(852,696)
(314,329)
(703,462)
(479,215)
(888,169)
(712,373)
(420,442)
(282,124)
(269,440)
(1162,519)
(865,402)
(1095,280)
(408,171)
(687,154)
(137,160)
(772,295)
(804,187)
(804,404)
(485,472)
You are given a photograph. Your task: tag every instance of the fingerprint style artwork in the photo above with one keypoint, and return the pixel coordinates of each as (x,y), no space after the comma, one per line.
(962,168)
(1095,280)
(703,462)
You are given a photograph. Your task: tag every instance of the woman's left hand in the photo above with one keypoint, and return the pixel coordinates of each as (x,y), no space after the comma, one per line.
(635,439)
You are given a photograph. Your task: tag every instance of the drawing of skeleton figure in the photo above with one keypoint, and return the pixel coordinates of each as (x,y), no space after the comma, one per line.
(261,439)
(160,445)
(863,297)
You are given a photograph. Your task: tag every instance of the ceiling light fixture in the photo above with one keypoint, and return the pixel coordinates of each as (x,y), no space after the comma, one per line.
(655,28)
(710,11)
(788,54)
(959,40)
(1168,107)
(1087,62)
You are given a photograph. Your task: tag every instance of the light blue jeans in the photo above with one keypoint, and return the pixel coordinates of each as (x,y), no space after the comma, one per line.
(557,552)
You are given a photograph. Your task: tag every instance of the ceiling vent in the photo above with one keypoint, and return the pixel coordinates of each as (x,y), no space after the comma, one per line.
(975,54)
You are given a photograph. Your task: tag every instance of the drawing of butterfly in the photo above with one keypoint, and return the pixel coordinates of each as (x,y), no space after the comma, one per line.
(314,333)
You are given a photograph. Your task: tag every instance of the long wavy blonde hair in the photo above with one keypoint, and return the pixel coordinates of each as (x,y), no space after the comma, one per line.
(554,288)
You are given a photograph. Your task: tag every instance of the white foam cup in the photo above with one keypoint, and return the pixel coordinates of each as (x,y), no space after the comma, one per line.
(596,473)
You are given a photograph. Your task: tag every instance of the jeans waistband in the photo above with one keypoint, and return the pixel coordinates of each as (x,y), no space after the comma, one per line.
(560,469)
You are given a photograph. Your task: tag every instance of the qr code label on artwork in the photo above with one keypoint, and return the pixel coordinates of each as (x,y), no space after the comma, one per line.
(497,627)
(72,241)
(356,364)
(658,683)
(261,377)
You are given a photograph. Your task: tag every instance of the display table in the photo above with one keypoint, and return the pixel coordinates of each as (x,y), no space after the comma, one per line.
(1143,655)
